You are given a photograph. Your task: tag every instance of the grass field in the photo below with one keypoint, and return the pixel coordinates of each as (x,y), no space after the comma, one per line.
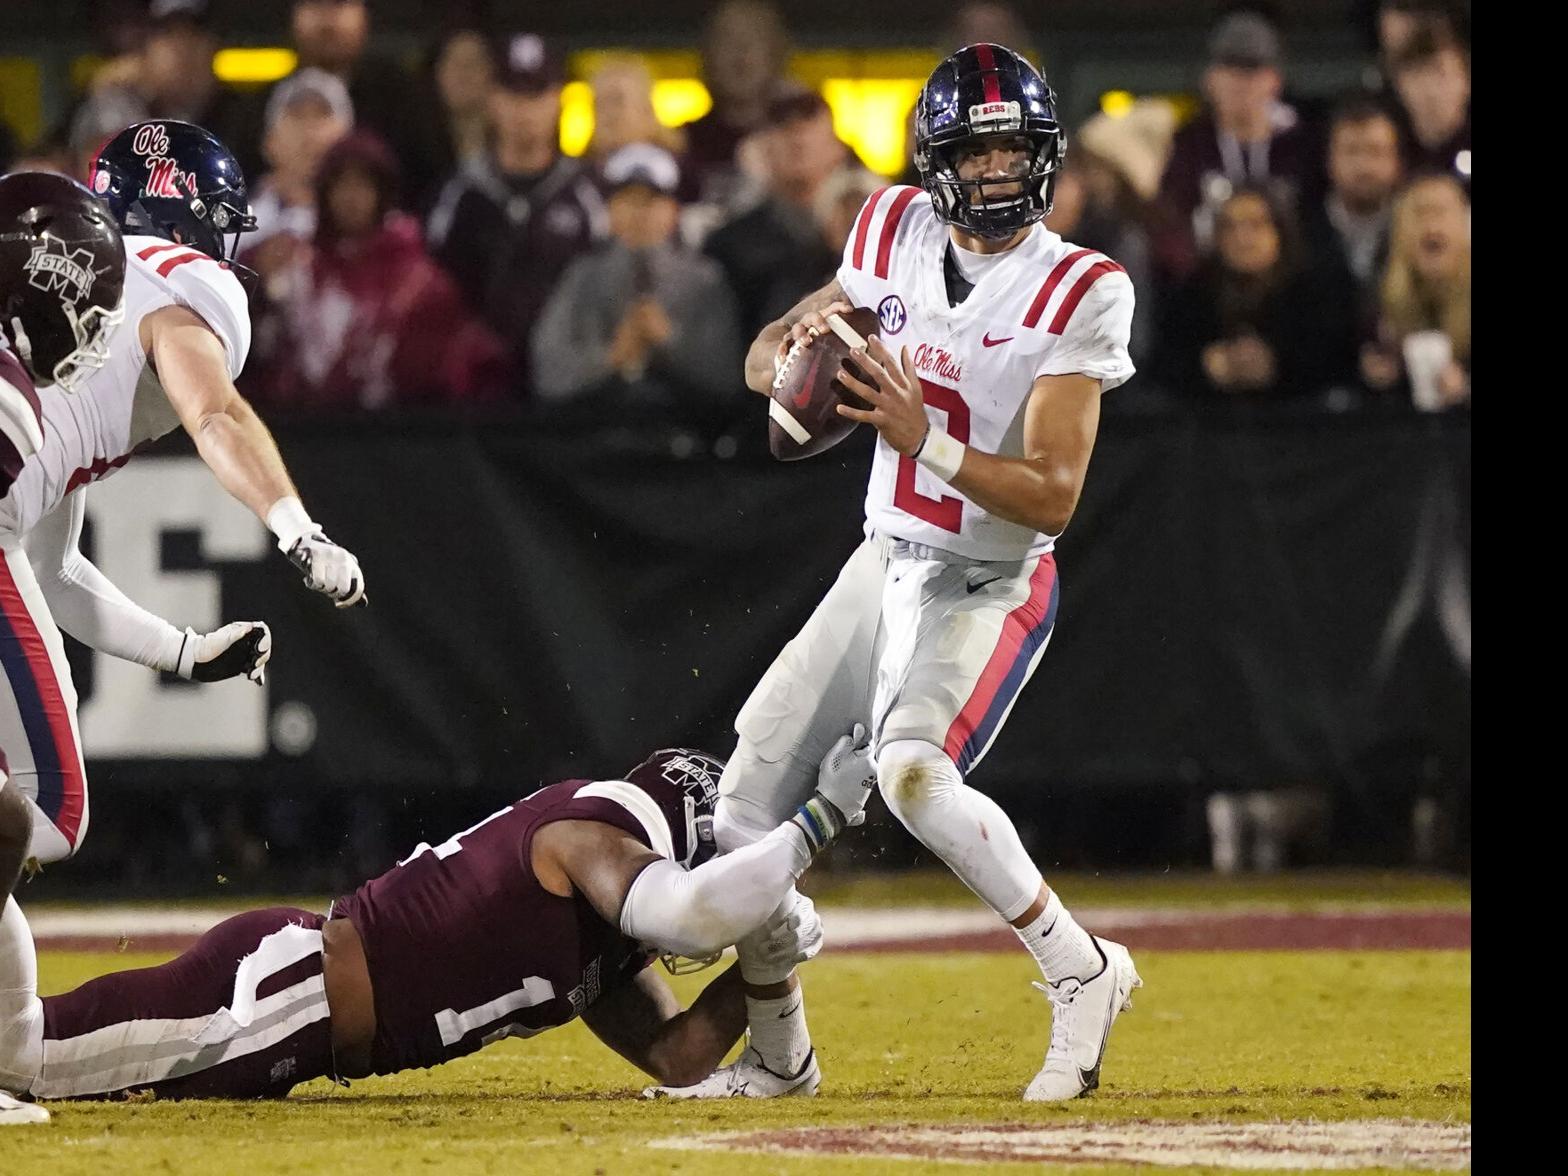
(905,1039)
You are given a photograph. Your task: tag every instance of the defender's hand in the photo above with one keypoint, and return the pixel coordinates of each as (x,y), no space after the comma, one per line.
(791,937)
(892,388)
(329,569)
(240,647)
(847,775)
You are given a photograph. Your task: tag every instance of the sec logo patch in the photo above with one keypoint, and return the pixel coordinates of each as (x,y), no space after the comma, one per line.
(891,314)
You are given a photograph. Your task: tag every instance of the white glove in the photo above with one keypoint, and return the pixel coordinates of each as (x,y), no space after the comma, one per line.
(791,936)
(328,568)
(240,647)
(847,775)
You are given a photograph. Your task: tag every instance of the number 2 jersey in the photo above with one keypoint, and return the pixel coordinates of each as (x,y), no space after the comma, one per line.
(120,407)
(1043,308)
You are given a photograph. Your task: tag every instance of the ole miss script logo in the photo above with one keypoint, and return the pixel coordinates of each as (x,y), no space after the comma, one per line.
(163,177)
(891,314)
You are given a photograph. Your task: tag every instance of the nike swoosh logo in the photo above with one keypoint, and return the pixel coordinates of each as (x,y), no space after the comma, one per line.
(791,1011)
(987,341)
(971,590)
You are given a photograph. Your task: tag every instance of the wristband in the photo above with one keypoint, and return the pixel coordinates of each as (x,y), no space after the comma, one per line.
(941,454)
(820,820)
(288,521)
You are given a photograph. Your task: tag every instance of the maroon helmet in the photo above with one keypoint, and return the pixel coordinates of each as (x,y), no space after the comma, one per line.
(684,783)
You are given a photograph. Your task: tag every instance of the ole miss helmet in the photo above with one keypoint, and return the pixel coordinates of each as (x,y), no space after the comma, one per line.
(174,180)
(979,92)
(62,277)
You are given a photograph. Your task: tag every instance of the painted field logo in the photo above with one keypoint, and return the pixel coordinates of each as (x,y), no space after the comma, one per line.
(1407,1144)
(891,314)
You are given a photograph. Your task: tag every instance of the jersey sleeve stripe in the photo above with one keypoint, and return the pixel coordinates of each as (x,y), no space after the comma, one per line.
(987,62)
(863,228)
(1081,287)
(641,806)
(154,250)
(175,262)
(1053,280)
(890,228)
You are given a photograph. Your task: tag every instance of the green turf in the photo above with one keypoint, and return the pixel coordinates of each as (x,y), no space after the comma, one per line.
(903,1039)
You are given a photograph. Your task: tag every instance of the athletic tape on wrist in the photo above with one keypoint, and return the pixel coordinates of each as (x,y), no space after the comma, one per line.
(820,821)
(941,454)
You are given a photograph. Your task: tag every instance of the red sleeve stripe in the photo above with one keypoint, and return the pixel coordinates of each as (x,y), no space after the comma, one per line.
(1081,287)
(863,227)
(155,249)
(1037,307)
(987,60)
(890,227)
(175,262)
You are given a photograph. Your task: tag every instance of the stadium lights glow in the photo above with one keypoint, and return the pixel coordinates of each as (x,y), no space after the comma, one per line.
(675,101)
(250,66)
(1117,103)
(871,115)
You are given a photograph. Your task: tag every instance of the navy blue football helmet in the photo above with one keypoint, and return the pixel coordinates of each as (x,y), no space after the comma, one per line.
(979,92)
(174,180)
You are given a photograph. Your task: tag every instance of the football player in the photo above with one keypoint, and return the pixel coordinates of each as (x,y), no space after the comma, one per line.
(1000,338)
(548,910)
(169,361)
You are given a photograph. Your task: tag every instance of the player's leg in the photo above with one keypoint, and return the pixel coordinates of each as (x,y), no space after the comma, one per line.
(242,1014)
(38,730)
(962,642)
(816,688)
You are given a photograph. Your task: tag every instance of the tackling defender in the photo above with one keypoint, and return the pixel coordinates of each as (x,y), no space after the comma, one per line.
(545,911)
(986,417)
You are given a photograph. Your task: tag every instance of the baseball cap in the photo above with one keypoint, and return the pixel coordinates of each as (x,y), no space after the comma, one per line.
(642,163)
(168,11)
(312,82)
(528,64)
(1246,40)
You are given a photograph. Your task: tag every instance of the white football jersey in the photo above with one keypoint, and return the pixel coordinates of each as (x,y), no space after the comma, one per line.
(1044,308)
(92,432)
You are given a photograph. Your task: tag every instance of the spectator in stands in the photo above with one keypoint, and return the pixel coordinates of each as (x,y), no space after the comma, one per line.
(1395,22)
(507,224)
(388,99)
(1352,220)
(1432,78)
(839,201)
(774,253)
(641,324)
(463,70)
(744,51)
(305,116)
(1424,331)
(1255,320)
(170,77)
(1105,199)
(370,321)
(1245,135)
(623,110)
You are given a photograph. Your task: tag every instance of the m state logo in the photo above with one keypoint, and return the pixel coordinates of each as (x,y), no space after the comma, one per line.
(58,269)
(892,315)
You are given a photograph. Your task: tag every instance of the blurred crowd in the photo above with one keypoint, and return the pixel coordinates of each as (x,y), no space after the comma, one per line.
(423,241)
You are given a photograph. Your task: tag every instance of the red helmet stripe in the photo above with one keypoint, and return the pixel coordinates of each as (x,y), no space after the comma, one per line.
(993,91)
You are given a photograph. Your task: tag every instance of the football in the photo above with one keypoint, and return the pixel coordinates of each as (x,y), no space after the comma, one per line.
(802,421)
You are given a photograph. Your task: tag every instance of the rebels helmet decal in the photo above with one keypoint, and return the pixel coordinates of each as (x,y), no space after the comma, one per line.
(978,92)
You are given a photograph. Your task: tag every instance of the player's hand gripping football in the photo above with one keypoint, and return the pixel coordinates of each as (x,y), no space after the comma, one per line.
(811,324)
(892,388)
(329,569)
(847,775)
(240,647)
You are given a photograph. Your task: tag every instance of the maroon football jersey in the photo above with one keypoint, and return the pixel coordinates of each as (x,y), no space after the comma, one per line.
(465,947)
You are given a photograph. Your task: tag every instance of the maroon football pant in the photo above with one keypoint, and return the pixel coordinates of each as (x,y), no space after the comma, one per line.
(242,1014)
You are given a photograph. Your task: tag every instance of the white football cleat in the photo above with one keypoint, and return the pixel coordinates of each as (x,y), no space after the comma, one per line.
(1081,1018)
(15,1114)
(747,1078)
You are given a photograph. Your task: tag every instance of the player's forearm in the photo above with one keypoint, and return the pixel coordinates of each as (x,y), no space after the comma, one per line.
(690,1045)
(1033,492)
(242,455)
(759,360)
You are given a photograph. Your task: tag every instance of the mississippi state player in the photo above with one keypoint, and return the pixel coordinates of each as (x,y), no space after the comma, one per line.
(175,192)
(62,273)
(545,911)
(1000,338)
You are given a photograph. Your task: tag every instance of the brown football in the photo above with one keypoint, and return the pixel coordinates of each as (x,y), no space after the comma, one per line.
(801,417)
